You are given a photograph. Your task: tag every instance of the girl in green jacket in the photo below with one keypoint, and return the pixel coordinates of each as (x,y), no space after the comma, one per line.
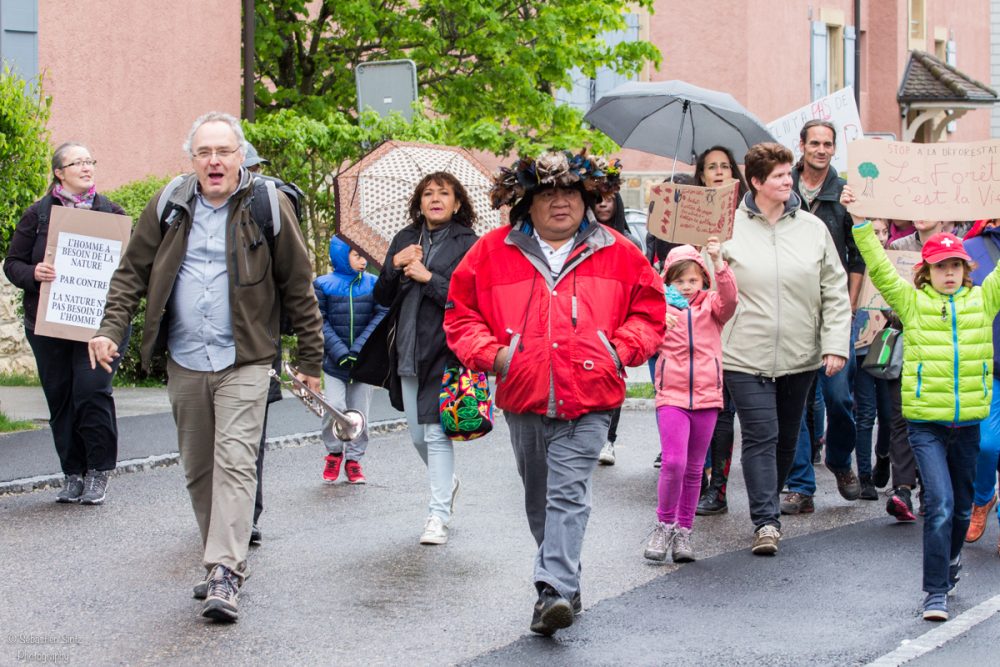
(947,380)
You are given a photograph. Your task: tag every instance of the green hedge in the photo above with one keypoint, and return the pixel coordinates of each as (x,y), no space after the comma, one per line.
(133,197)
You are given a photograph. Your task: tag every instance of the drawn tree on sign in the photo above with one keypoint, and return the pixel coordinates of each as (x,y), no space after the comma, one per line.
(869,172)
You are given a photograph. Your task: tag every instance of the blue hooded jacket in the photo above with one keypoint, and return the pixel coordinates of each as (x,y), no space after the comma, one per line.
(349,310)
(977,249)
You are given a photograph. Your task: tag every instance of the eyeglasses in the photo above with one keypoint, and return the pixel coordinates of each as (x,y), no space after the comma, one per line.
(209,153)
(80,163)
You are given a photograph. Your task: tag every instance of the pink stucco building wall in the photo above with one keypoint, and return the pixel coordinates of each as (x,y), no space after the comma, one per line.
(131,83)
(759,52)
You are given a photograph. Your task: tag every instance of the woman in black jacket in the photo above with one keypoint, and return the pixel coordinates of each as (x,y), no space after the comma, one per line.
(81,408)
(414,282)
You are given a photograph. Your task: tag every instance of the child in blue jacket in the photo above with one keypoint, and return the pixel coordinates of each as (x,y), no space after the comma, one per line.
(350,314)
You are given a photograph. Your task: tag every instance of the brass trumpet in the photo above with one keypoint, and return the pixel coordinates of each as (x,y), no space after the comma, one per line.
(346,425)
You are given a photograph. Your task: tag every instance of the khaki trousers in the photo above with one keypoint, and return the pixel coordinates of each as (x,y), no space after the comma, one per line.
(219,417)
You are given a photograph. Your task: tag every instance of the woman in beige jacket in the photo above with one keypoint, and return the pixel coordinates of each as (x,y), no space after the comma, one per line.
(794,316)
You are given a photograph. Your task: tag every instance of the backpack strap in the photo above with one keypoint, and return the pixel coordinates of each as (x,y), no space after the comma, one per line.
(44,210)
(165,211)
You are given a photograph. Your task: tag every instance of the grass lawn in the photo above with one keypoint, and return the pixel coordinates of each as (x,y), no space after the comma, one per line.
(640,390)
(8,425)
(18,380)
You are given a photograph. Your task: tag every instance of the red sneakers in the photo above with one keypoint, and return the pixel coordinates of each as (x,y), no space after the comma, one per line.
(354,474)
(332,470)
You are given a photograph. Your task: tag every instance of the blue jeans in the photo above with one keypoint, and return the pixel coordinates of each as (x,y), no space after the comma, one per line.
(989,451)
(871,399)
(946,458)
(841,433)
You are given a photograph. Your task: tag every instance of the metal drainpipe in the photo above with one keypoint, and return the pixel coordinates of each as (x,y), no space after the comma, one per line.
(249,19)
(857,55)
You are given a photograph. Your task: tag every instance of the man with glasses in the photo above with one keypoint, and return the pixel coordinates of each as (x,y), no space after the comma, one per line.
(212,291)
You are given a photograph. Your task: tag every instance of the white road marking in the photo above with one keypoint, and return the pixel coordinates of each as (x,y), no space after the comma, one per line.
(939,636)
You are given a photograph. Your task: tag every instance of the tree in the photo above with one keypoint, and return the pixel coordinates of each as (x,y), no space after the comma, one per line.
(24,150)
(869,172)
(488,68)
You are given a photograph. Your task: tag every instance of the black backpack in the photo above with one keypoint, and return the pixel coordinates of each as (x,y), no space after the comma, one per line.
(263,204)
(263,211)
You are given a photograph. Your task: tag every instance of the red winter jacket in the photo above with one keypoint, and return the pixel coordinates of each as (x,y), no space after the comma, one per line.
(569,337)
(689,368)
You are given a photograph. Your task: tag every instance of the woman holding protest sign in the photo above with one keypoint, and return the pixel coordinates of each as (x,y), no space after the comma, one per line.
(81,407)
(794,316)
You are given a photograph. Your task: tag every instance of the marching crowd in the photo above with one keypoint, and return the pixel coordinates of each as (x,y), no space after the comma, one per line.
(761,326)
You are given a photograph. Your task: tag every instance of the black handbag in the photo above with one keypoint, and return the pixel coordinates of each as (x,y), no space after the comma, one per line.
(885,355)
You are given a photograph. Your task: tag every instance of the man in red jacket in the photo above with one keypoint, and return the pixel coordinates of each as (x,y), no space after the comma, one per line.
(557,305)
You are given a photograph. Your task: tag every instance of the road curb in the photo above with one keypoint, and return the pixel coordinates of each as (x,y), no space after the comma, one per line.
(54,481)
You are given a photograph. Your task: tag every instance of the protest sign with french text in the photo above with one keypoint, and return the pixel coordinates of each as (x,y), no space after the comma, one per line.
(691,213)
(838,108)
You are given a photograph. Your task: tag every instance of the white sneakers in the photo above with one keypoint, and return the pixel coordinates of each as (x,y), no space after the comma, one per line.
(607,455)
(435,531)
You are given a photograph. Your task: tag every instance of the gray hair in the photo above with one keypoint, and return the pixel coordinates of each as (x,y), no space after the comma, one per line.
(216,117)
(59,155)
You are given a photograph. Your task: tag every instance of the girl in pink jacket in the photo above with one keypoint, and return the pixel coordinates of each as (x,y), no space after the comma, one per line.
(688,385)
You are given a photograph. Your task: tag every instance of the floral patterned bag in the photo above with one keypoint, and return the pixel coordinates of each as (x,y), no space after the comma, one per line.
(466,404)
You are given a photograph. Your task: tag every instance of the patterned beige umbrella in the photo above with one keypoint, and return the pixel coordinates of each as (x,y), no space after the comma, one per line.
(373,195)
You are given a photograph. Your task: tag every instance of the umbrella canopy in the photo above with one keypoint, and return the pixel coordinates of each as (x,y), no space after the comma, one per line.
(373,195)
(675,119)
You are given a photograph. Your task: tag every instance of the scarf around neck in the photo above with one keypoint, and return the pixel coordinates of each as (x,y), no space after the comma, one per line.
(83,200)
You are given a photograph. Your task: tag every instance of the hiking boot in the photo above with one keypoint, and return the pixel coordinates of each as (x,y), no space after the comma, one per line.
(658,544)
(977,524)
(332,469)
(847,483)
(95,487)
(797,503)
(607,455)
(658,460)
(880,474)
(354,474)
(936,607)
(71,490)
(683,551)
(899,504)
(435,532)
(712,503)
(255,536)
(954,573)
(552,612)
(200,590)
(868,490)
(765,541)
(223,595)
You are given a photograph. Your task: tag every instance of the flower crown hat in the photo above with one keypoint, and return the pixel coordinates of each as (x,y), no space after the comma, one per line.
(595,177)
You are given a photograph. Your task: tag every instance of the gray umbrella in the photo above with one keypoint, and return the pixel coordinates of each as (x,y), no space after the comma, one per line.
(675,119)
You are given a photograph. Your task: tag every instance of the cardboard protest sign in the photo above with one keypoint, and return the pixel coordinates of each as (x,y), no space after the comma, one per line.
(904,261)
(85,248)
(906,181)
(838,108)
(870,328)
(691,213)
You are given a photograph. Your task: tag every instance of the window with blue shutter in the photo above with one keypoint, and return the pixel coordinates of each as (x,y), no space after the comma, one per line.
(19,37)
(586,91)
(849,36)
(818,79)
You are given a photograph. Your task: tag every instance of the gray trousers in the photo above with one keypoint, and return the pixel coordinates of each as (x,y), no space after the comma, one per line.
(346,396)
(556,460)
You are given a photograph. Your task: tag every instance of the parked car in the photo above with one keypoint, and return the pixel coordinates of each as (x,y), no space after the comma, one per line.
(636,221)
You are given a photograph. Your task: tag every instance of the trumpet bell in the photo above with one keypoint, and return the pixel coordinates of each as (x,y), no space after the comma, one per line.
(347,425)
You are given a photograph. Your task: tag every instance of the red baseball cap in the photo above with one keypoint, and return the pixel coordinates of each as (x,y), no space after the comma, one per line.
(943,246)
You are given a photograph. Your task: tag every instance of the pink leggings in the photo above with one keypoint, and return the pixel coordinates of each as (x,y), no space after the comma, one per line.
(684,439)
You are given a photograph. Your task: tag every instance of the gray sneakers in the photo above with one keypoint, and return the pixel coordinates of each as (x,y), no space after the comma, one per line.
(72,489)
(683,552)
(659,542)
(607,455)
(95,487)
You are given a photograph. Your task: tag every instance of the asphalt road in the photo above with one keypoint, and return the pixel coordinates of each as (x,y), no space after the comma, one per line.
(340,578)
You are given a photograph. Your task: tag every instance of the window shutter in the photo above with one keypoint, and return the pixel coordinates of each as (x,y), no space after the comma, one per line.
(949,51)
(19,37)
(849,36)
(820,87)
